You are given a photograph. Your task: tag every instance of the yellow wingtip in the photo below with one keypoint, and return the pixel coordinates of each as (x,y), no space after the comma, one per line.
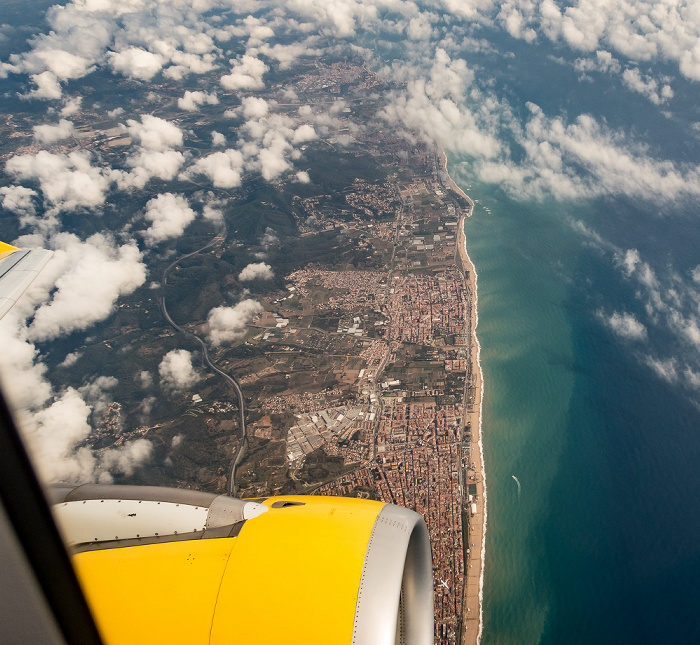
(7,247)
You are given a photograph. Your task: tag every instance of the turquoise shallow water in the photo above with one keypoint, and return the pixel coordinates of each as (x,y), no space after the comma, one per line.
(602,544)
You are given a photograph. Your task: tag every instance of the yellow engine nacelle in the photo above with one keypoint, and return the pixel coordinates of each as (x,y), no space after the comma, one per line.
(177,566)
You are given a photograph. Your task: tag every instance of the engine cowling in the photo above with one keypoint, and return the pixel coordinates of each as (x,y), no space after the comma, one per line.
(169,565)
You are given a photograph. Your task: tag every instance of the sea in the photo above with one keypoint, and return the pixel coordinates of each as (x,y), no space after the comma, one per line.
(592,454)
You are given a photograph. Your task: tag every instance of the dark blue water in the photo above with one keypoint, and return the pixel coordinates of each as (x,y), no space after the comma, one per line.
(603,543)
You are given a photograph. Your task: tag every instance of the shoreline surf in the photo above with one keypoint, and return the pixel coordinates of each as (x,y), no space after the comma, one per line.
(473,400)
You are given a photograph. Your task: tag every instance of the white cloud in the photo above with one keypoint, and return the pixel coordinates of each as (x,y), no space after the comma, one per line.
(169,215)
(133,454)
(135,62)
(228,324)
(586,159)
(434,108)
(147,164)
(154,133)
(269,238)
(176,370)
(218,139)
(304,133)
(144,379)
(47,86)
(70,359)
(55,436)
(246,74)
(603,62)
(254,107)
(66,181)
(51,133)
(303,177)
(223,168)
(87,279)
(24,376)
(192,101)
(695,273)
(638,31)
(256,271)
(72,106)
(19,200)
(667,369)
(646,86)
(625,325)
(286,54)
(188,63)
(95,393)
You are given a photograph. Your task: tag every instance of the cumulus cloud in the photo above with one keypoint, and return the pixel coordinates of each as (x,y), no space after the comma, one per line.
(72,106)
(154,156)
(584,159)
(66,181)
(223,168)
(269,238)
(254,107)
(666,369)
(95,393)
(625,325)
(188,63)
(87,279)
(637,31)
(192,101)
(169,215)
(133,454)
(434,108)
(671,302)
(287,54)
(604,62)
(48,133)
(136,63)
(19,200)
(47,86)
(176,370)
(55,436)
(304,133)
(70,359)
(646,86)
(228,324)
(147,164)
(303,177)
(256,271)
(246,74)
(212,212)
(154,133)
(218,140)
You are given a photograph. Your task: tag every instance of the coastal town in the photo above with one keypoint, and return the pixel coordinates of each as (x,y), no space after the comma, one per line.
(399,343)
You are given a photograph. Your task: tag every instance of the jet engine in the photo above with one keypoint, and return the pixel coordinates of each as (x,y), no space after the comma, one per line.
(172,565)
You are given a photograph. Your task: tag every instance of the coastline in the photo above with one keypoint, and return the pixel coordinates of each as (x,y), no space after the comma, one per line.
(472,607)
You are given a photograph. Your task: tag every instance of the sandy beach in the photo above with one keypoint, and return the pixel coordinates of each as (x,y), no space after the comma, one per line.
(474,565)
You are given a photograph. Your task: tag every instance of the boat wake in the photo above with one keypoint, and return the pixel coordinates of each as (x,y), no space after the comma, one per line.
(517,481)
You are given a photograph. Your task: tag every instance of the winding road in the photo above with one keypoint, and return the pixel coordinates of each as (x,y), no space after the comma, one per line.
(232,489)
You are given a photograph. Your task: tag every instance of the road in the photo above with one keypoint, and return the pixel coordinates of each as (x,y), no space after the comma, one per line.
(233,383)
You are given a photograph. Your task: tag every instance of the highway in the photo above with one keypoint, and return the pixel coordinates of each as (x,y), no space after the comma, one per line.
(233,383)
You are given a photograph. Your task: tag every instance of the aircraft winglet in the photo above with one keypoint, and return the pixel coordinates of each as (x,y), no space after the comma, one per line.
(18,269)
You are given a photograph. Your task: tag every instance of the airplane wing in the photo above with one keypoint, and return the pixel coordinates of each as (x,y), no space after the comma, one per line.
(18,269)
(170,565)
